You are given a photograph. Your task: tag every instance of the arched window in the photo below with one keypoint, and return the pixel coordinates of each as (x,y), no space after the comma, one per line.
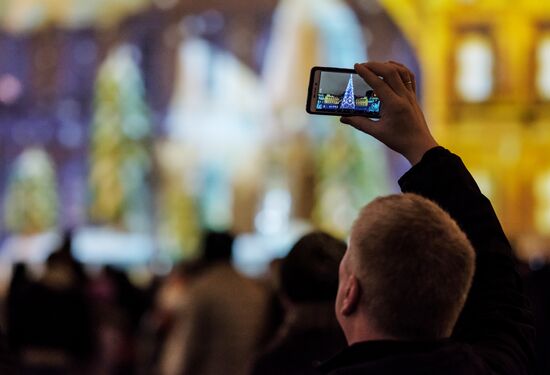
(542,199)
(474,80)
(543,67)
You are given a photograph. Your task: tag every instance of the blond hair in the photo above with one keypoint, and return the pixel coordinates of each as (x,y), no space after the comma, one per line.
(414,264)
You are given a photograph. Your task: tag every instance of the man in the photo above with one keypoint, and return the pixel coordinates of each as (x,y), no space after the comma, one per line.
(308,279)
(408,268)
(225,315)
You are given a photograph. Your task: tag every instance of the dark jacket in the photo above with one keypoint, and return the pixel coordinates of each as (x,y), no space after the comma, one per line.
(310,334)
(494,334)
(7,360)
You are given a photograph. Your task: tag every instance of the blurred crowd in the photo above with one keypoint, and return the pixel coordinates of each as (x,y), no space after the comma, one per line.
(204,317)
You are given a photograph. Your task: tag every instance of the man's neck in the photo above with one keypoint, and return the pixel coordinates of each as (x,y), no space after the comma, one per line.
(361,330)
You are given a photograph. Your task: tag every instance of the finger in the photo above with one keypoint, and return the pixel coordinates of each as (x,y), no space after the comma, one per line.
(406,76)
(390,74)
(406,73)
(380,87)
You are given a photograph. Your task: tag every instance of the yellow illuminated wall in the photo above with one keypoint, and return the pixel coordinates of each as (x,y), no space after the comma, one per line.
(486,76)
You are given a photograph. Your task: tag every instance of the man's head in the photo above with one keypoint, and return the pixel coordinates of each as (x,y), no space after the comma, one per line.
(406,273)
(217,247)
(309,273)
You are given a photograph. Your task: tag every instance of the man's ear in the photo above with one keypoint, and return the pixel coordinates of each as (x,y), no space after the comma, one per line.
(352,295)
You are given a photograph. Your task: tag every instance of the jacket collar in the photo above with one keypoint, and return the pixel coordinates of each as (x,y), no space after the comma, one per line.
(369,351)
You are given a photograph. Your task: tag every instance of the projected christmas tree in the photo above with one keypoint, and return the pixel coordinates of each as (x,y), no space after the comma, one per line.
(31,200)
(348,102)
(120,151)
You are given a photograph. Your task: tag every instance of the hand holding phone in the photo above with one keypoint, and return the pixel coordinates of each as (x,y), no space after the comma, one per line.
(402,126)
(341,92)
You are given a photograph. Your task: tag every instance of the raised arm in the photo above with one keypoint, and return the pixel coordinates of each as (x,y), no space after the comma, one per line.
(496,320)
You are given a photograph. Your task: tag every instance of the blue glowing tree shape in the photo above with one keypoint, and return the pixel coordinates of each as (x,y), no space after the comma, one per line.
(348,102)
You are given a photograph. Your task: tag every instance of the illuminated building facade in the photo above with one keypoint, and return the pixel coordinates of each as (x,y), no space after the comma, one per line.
(486,84)
(483,70)
(362,102)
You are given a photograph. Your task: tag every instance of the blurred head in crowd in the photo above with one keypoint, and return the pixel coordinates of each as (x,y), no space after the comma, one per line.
(19,279)
(66,242)
(309,273)
(59,272)
(19,272)
(406,273)
(217,247)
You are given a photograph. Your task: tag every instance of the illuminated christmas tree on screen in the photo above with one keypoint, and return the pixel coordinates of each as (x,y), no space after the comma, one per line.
(348,102)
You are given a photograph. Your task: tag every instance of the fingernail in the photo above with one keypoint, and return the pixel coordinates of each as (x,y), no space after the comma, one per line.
(344,120)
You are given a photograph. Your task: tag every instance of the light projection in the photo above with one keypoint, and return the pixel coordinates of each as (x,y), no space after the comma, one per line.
(120,151)
(218,120)
(29,15)
(350,167)
(178,226)
(234,136)
(31,202)
(543,67)
(10,89)
(474,68)
(305,34)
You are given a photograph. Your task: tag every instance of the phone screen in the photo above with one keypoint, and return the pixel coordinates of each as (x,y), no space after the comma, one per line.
(342,92)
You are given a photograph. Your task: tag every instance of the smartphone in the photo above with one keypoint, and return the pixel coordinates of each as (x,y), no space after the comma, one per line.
(340,92)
